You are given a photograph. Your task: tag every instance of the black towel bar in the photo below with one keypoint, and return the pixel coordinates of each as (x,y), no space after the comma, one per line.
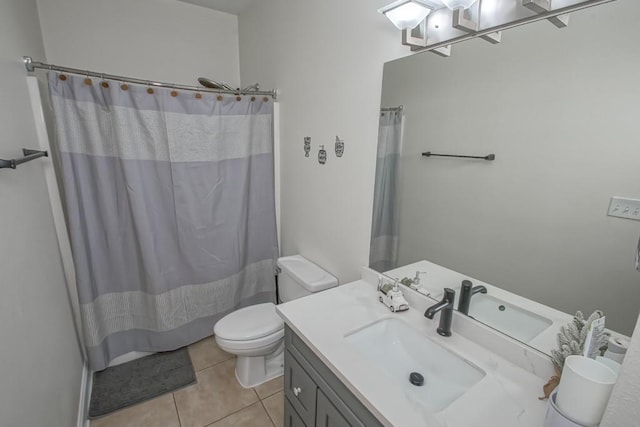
(487,157)
(28,156)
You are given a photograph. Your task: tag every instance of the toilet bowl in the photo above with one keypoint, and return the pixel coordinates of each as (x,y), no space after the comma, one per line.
(256,333)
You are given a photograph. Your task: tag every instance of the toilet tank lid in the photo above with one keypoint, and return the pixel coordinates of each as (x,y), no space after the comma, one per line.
(306,273)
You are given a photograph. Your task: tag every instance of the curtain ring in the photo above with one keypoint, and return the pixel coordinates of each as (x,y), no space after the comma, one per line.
(104,83)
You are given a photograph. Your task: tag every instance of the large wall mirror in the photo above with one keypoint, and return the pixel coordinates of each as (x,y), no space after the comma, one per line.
(560,109)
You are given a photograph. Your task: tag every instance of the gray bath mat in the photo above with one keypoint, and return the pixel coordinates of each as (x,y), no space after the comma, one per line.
(139,380)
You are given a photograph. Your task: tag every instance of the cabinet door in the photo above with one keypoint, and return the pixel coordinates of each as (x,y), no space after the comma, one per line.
(327,415)
(300,389)
(291,417)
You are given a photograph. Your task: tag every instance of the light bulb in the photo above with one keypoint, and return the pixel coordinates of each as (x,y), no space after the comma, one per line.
(455,4)
(405,14)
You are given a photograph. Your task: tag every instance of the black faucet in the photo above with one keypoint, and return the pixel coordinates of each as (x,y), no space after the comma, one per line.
(466,292)
(446,306)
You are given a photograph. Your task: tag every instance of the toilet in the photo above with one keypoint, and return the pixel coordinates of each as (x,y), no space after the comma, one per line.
(256,333)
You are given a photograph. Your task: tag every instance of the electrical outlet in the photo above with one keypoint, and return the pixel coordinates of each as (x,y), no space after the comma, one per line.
(624,208)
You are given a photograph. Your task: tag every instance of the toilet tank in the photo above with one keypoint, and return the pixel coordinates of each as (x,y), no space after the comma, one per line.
(300,277)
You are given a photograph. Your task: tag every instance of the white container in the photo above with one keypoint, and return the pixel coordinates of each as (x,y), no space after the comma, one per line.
(611,364)
(584,390)
(555,418)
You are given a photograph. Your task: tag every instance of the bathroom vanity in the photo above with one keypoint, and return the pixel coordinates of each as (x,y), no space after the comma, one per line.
(348,360)
(314,395)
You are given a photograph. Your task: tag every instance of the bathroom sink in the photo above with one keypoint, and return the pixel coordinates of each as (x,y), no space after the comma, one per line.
(509,319)
(398,350)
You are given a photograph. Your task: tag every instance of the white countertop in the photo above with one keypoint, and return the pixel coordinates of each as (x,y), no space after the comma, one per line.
(507,395)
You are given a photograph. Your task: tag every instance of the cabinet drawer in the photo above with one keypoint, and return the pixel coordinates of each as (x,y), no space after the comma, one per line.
(327,415)
(300,389)
(291,417)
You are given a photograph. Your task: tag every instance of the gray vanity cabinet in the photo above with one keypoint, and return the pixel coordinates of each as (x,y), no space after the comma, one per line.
(300,389)
(291,417)
(314,396)
(327,415)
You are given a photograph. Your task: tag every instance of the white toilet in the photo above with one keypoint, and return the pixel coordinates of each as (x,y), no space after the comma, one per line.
(256,333)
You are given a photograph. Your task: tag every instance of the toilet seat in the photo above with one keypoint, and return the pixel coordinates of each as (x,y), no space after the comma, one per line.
(250,346)
(254,324)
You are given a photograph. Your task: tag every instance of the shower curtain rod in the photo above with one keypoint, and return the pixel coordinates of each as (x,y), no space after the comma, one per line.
(32,65)
(398,108)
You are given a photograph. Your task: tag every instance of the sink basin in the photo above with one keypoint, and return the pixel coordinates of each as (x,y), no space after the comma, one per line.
(512,320)
(398,350)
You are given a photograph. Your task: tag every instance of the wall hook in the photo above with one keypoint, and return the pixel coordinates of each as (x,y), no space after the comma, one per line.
(322,155)
(339,146)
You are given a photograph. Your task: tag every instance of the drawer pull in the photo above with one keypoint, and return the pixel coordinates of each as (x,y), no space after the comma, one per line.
(296,391)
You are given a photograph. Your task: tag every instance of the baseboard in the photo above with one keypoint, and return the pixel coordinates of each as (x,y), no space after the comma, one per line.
(85,397)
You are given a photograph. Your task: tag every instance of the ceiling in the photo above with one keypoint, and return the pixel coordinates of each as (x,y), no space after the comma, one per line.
(234,7)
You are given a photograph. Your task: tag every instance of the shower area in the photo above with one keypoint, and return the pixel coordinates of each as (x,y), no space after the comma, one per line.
(164,197)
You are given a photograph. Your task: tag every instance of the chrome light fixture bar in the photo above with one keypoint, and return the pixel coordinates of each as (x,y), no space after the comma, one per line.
(406,14)
(485,19)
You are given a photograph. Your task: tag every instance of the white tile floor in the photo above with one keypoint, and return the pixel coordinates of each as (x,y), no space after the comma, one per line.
(216,400)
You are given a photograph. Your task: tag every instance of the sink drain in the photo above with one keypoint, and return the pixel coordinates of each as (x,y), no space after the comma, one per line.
(416,379)
(502,308)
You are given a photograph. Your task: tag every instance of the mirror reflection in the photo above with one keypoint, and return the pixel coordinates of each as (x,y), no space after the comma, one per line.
(559,109)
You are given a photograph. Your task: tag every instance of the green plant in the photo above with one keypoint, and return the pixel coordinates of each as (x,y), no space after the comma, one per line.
(572,337)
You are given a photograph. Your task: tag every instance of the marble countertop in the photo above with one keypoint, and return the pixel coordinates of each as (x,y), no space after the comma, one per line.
(506,396)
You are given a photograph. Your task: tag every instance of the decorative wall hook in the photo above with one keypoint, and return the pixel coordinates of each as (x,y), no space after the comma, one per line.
(322,155)
(307,146)
(339,146)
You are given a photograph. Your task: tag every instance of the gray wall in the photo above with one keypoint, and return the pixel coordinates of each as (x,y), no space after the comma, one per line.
(41,364)
(560,109)
(326,59)
(164,40)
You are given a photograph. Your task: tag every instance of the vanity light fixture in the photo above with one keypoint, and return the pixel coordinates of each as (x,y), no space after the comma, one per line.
(460,20)
(406,14)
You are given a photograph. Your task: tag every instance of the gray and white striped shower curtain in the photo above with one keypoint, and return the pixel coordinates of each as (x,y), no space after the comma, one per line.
(170,207)
(383,253)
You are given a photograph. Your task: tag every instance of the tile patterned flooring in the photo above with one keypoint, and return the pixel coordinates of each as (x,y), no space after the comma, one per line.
(216,400)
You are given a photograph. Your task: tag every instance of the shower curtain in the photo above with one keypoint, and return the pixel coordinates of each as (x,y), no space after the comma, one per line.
(383,253)
(170,207)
